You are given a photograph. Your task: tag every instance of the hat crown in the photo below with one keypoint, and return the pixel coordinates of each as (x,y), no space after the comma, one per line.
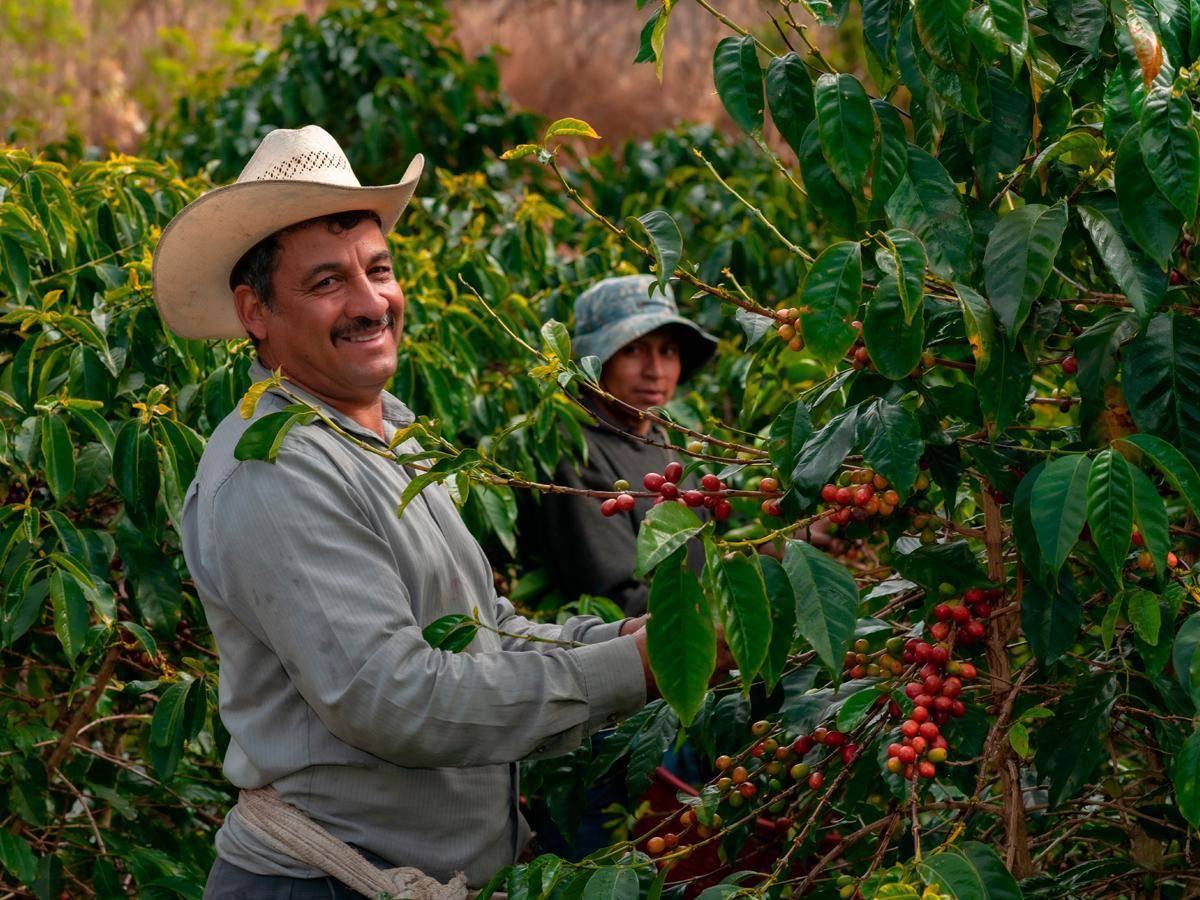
(612,299)
(300,154)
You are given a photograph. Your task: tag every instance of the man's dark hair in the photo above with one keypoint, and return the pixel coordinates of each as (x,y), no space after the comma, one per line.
(256,268)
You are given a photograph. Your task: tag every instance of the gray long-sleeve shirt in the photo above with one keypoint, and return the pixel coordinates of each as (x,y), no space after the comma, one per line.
(316,594)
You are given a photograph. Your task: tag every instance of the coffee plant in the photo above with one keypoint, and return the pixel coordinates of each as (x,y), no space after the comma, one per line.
(954,292)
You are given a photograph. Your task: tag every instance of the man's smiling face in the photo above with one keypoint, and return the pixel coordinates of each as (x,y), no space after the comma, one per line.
(336,315)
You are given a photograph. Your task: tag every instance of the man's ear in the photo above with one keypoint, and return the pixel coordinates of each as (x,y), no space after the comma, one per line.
(251,310)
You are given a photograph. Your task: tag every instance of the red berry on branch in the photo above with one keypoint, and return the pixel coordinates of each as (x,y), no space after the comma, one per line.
(923,652)
(669,490)
(803,744)
(710,501)
(894,766)
(747,789)
(939,654)
(925,700)
(815,780)
(942,612)
(1138,540)
(609,507)
(772,508)
(841,517)
(626,502)
(711,482)
(957,709)
(975,629)
(894,709)
(968,671)
(724,762)
(863,495)
(982,610)
(912,689)
(952,687)
(834,739)
(910,728)
(673,472)
(829,493)
(693,498)
(722,509)
(941,704)
(820,733)
(941,717)
(920,714)
(894,749)
(960,614)
(932,684)
(919,745)
(653,481)
(907,755)
(939,631)
(926,769)
(768,485)
(849,753)
(972,595)
(929,731)
(844,496)
(1070,365)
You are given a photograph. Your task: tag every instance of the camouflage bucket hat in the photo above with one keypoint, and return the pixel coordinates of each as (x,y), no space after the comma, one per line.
(615,311)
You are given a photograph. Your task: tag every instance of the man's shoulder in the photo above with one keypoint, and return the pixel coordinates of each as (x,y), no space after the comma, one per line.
(219,466)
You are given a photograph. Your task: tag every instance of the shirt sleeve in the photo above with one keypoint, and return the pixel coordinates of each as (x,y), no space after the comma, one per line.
(586,552)
(577,629)
(297,558)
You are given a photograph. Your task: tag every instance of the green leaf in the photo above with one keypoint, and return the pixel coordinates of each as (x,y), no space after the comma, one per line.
(970,871)
(824,191)
(1144,613)
(1184,656)
(846,125)
(1071,744)
(1185,775)
(927,203)
(17,858)
(681,640)
(58,456)
(452,633)
(71,612)
(520,151)
(557,339)
(739,81)
(15,267)
(1077,148)
(823,454)
(891,442)
(1171,147)
(894,343)
(1126,264)
(1110,508)
(855,709)
(878,27)
(569,128)
(665,241)
(909,254)
(1009,16)
(931,565)
(1051,618)
(1180,473)
(666,528)
(741,599)
(891,161)
(789,431)
(1002,375)
(1150,515)
(611,883)
(1019,257)
(1108,625)
(1160,375)
(264,437)
(1151,219)
(1018,739)
(783,619)
(790,97)
(1059,507)
(941,27)
(649,745)
(832,291)
(826,602)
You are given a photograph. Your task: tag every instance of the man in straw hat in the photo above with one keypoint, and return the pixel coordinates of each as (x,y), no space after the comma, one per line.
(316,592)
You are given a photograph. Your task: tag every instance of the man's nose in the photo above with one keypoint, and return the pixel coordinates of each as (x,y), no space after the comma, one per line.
(366,299)
(655,364)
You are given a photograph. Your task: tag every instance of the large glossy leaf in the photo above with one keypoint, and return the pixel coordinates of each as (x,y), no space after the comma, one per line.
(878,27)
(891,157)
(832,290)
(1110,508)
(135,467)
(666,528)
(1079,23)
(1171,146)
(895,345)
(665,242)
(745,611)
(1179,472)
(846,125)
(1020,254)
(58,456)
(1160,374)
(791,428)
(942,30)
(71,612)
(969,871)
(1059,506)
(909,254)
(822,455)
(1185,774)
(1140,281)
(1098,349)
(891,442)
(783,619)
(681,641)
(611,883)
(1150,516)
(999,144)
(1184,657)
(1051,616)
(263,439)
(1150,217)
(824,193)
(1071,744)
(1002,375)
(927,203)
(649,745)
(739,81)
(790,97)
(1144,611)
(826,602)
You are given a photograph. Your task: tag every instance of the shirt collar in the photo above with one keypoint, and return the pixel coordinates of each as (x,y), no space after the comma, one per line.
(394,412)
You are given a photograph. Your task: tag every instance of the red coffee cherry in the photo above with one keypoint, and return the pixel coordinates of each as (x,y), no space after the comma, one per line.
(609,507)
(626,502)
(710,482)
(815,780)
(653,481)
(673,472)
(669,490)
(693,498)
(722,509)
(926,769)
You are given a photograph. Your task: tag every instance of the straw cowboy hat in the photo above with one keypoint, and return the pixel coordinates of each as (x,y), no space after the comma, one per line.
(294,175)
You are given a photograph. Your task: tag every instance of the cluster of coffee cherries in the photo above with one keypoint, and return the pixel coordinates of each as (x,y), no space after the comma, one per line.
(969,616)
(859,495)
(787,330)
(666,486)
(1145,560)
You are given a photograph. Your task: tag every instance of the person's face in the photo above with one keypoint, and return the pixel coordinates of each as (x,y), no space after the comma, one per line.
(338,312)
(645,371)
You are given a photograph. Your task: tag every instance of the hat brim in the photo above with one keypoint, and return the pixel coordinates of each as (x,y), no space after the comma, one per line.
(697,348)
(199,248)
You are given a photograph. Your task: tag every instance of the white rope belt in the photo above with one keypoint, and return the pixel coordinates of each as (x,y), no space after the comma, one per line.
(287,829)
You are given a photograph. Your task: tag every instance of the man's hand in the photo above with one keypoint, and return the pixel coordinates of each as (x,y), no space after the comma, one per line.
(629,626)
(639,638)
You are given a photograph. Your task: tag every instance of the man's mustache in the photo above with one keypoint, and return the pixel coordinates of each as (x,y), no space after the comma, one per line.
(363,325)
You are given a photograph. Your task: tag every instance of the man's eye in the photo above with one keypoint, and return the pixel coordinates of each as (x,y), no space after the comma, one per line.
(323,283)
(382,270)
